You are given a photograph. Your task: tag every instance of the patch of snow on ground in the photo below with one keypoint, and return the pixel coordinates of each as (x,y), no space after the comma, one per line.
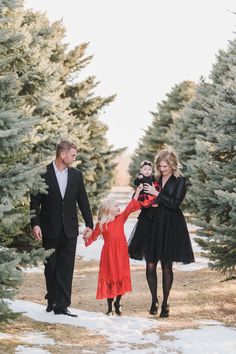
(200,263)
(134,334)
(211,339)
(34,338)
(39,269)
(4,336)
(37,338)
(21,349)
(127,330)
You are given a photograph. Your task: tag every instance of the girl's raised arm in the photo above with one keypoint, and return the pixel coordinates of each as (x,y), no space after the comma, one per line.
(137,192)
(133,205)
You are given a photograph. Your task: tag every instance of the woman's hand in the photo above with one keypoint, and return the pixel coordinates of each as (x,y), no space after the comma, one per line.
(150,189)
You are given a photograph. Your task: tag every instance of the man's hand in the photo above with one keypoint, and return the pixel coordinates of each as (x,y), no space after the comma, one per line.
(86,233)
(37,232)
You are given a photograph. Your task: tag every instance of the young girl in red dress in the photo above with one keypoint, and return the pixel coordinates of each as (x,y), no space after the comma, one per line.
(114,270)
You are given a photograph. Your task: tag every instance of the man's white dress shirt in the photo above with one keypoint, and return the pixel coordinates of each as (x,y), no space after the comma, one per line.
(62,179)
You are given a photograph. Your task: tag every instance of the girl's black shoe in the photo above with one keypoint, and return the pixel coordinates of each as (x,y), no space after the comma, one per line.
(109,313)
(154,308)
(165,311)
(117,306)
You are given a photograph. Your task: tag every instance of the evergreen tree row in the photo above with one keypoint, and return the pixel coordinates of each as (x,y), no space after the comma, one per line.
(202,129)
(156,137)
(212,168)
(42,100)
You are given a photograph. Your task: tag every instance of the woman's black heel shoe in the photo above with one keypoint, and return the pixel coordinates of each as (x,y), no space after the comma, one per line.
(117,306)
(165,311)
(154,308)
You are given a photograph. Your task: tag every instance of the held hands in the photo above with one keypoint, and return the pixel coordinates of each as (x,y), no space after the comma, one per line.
(150,189)
(87,233)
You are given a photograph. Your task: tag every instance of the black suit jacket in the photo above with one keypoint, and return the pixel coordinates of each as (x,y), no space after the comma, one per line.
(52,213)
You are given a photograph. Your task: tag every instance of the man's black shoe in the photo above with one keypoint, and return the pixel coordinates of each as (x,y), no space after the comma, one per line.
(50,307)
(64,312)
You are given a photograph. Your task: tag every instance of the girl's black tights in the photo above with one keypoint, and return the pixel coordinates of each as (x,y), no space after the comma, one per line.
(118,298)
(110,301)
(167,280)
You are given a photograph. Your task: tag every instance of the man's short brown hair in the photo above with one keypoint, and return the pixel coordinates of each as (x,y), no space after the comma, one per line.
(65,145)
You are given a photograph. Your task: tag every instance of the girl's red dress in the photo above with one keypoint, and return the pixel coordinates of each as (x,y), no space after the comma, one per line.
(114,270)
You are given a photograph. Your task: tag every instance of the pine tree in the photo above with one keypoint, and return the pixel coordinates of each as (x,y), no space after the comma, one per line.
(96,156)
(11,275)
(156,136)
(183,134)
(41,71)
(17,174)
(49,73)
(35,113)
(187,128)
(183,130)
(213,168)
(66,105)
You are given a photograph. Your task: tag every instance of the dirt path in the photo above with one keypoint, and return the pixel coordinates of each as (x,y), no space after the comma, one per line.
(200,293)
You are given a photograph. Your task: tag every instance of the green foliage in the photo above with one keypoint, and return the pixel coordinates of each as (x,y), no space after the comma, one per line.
(188,127)
(96,156)
(212,168)
(156,136)
(11,275)
(18,173)
(42,100)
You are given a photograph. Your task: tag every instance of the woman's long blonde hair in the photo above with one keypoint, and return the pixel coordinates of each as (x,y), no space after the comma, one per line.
(168,155)
(104,214)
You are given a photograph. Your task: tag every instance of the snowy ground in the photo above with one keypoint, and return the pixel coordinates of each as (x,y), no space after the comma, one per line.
(131,334)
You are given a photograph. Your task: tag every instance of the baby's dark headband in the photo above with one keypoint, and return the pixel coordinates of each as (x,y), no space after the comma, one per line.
(145,163)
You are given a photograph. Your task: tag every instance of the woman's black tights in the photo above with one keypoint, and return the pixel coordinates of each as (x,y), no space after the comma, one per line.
(167,280)
(151,275)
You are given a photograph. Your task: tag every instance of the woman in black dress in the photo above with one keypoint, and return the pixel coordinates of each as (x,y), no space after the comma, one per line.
(161,233)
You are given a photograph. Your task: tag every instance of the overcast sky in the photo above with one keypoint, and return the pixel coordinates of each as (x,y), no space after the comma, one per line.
(141,49)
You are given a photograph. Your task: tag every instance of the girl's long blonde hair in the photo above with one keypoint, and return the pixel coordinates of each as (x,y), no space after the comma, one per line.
(104,214)
(168,155)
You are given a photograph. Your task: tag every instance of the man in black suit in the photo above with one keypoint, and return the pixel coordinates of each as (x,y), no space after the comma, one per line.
(55,221)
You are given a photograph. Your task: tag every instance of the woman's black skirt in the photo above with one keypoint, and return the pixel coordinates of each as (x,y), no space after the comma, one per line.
(161,234)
